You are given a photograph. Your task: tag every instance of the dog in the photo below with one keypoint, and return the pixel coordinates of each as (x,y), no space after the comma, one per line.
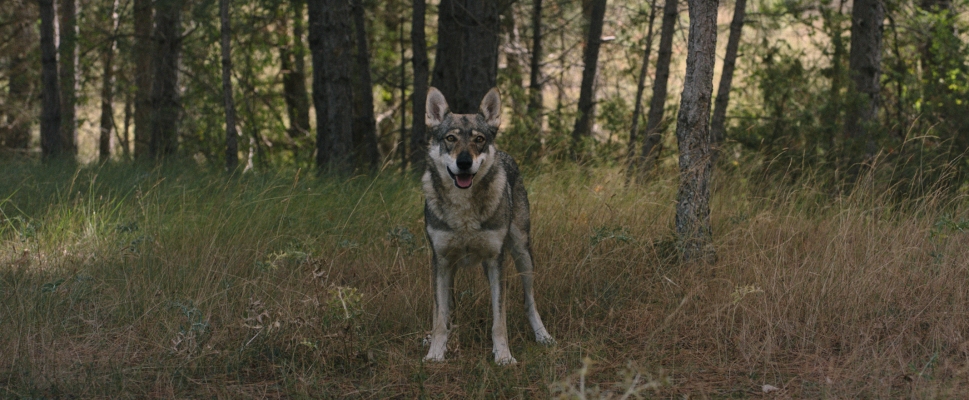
(475,212)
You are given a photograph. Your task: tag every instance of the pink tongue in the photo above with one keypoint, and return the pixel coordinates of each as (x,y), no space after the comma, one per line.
(464,181)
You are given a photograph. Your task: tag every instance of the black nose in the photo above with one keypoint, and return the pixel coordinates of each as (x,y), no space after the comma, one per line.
(464,160)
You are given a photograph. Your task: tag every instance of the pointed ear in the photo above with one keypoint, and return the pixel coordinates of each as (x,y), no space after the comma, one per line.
(491,108)
(435,108)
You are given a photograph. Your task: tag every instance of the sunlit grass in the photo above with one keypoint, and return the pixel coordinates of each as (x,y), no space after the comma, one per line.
(178,282)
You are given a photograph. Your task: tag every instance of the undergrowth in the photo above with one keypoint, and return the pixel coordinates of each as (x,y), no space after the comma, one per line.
(118,281)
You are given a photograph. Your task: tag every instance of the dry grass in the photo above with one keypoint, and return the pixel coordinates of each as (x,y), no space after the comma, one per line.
(120,282)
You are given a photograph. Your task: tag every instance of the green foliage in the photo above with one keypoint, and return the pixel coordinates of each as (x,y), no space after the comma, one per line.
(789,113)
(603,233)
(614,116)
(520,136)
(945,74)
(558,138)
(946,225)
(784,120)
(401,237)
(635,383)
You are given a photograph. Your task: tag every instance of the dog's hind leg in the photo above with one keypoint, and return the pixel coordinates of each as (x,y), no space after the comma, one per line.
(443,272)
(522,254)
(499,330)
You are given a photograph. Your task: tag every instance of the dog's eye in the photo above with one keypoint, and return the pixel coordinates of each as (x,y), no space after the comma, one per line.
(479,139)
(451,138)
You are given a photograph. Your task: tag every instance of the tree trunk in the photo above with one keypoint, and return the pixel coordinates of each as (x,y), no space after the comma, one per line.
(527,135)
(418,139)
(292,54)
(718,124)
(51,144)
(142,54)
(652,143)
(513,63)
(640,87)
(22,74)
(164,89)
(364,124)
(587,103)
(68,58)
(466,64)
(124,137)
(107,88)
(17,136)
(831,112)
(693,230)
(864,62)
(480,66)
(330,45)
(402,143)
(253,122)
(535,100)
(231,135)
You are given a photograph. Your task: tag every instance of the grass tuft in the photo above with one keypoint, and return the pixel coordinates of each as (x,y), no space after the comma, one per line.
(178,282)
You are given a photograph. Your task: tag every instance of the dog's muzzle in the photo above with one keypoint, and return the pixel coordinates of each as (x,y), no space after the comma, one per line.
(462,181)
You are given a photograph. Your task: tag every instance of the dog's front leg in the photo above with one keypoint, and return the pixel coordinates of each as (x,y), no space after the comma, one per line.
(499,331)
(443,277)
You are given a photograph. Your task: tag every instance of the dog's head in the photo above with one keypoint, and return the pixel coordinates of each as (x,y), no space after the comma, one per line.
(463,144)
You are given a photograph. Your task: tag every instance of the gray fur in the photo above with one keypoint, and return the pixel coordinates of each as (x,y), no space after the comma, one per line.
(477,224)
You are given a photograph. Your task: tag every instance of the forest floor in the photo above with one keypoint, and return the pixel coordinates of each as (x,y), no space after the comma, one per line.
(123,282)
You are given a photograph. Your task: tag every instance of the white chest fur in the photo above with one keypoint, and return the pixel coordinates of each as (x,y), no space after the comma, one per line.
(464,211)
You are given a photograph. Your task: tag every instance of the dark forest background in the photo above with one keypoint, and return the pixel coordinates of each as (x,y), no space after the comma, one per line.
(217,198)
(813,88)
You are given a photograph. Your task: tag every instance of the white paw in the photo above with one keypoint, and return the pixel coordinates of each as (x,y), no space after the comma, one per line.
(505,360)
(434,358)
(545,339)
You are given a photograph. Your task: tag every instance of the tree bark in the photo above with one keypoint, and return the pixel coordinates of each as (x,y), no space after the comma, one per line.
(526,139)
(466,64)
(640,87)
(107,88)
(330,45)
(256,153)
(652,141)
(535,85)
(693,230)
(142,54)
(21,72)
(718,124)
(17,135)
(512,50)
(831,112)
(68,58)
(402,143)
(587,103)
(164,90)
(124,137)
(364,123)
(418,139)
(51,143)
(231,134)
(292,54)
(864,63)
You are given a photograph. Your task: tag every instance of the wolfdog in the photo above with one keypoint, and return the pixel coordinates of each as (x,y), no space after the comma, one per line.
(475,211)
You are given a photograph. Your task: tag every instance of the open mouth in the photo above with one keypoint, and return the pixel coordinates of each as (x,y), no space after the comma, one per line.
(462,181)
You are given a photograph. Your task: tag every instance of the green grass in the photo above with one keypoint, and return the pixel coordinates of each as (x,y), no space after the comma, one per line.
(119,281)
